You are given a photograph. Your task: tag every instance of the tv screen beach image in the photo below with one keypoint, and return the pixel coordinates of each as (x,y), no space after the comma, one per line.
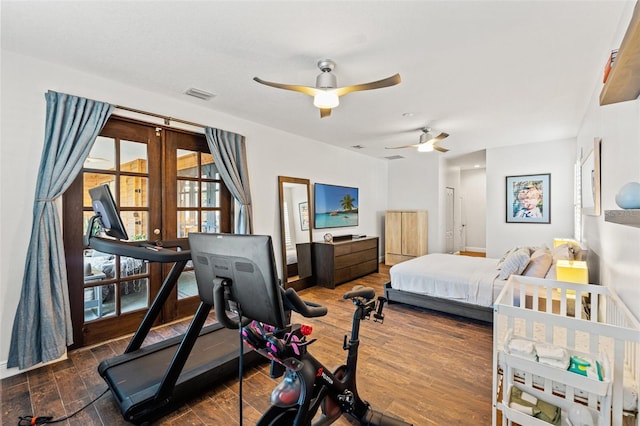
(335,206)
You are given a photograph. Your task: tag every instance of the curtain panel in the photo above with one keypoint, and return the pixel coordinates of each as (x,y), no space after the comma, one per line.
(42,326)
(230,157)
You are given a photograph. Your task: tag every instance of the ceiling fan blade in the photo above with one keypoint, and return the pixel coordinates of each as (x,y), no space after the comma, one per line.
(325,112)
(401,147)
(439,148)
(385,82)
(440,137)
(311,91)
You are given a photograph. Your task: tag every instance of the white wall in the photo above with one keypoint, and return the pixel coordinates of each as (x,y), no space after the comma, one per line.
(556,158)
(617,246)
(473,191)
(269,153)
(414,184)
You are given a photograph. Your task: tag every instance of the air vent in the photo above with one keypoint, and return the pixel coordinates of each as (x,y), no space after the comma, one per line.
(394,157)
(200,94)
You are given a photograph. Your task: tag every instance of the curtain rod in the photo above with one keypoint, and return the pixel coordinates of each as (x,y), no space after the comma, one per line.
(167,120)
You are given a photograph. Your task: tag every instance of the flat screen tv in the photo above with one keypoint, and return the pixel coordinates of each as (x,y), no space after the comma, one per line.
(335,206)
(105,208)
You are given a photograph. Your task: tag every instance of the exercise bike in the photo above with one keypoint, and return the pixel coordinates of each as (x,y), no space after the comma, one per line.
(237,275)
(308,386)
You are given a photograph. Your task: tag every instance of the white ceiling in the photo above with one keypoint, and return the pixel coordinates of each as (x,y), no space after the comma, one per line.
(489,73)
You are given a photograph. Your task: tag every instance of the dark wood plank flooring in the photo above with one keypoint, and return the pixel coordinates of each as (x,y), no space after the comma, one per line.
(428,368)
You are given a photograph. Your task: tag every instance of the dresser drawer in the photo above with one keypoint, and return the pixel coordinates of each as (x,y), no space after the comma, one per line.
(352,272)
(354,246)
(355,258)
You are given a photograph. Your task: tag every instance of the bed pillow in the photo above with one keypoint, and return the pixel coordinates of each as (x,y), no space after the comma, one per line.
(504,257)
(515,263)
(539,263)
(563,252)
(551,273)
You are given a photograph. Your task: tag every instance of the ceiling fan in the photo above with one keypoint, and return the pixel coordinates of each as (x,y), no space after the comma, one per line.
(326,94)
(427,142)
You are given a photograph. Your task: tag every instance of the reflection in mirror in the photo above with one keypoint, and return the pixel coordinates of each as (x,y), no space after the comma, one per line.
(295,231)
(590,181)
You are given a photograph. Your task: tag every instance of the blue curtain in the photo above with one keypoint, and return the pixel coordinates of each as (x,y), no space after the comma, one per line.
(230,157)
(42,326)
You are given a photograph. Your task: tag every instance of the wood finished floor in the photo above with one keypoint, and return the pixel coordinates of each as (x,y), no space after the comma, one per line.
(428,368)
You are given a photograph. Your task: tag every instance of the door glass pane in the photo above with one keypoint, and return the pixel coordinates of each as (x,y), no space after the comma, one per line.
(91,180)
(133,191)
(211,221)
(102,155)
(134,295)
(187,193)
(209,169)
(187,222)
(187,286)
(210,194)
(133,157)
(137,224)
(130,267)
(94,266)
(187,163)
(99,302)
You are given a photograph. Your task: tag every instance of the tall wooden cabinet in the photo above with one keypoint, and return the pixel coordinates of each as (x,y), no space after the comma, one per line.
(405,235)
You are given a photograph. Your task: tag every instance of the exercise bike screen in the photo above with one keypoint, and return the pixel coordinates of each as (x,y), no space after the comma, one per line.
(248,262)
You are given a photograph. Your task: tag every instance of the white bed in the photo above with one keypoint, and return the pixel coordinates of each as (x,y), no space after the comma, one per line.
(468,286)
(460,285)
(462,278)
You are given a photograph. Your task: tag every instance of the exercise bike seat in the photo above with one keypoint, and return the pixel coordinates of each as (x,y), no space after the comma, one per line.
(360,291)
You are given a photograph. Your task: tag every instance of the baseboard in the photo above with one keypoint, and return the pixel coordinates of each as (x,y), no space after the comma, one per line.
(8,372)
(478,249)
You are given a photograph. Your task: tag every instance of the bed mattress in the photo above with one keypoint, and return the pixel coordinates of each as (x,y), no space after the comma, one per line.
(447,276)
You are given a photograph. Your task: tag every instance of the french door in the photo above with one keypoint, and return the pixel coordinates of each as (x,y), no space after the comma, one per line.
(165,185)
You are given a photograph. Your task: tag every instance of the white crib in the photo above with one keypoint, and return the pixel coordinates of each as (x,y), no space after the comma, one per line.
(586,319)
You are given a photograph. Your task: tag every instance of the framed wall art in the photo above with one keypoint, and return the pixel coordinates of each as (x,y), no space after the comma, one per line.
(528,198)
(303,208)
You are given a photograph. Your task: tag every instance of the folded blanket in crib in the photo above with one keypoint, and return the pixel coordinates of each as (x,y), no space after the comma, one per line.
(554,356)
(546,350)
(529,404)
(522,348)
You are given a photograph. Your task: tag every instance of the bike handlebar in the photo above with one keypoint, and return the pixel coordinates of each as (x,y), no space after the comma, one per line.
(304,308)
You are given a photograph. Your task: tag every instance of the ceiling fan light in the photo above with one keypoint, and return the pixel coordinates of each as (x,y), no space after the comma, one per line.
(326,99)
(425,147)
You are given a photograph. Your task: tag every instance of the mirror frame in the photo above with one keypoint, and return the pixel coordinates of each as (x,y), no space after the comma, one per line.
(590,168)
(301,282)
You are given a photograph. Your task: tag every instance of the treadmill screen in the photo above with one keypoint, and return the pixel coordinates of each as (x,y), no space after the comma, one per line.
(105,207)
(248,262)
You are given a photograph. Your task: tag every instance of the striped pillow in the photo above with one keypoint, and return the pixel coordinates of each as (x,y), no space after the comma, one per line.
(515,263)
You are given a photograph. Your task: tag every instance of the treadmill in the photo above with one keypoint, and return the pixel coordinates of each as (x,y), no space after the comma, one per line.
(152,381)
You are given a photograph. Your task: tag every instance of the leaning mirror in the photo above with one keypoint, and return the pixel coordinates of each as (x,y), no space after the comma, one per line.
(295,231)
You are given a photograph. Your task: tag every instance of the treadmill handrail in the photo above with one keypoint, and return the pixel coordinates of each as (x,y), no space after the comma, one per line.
(144,250)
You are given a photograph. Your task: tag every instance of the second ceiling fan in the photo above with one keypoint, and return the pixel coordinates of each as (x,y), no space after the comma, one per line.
(427,143)
(326,94)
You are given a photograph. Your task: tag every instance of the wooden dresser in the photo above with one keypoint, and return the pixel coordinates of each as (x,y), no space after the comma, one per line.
(342,261)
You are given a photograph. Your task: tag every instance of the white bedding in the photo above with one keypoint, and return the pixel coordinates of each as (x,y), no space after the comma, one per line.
(447,276)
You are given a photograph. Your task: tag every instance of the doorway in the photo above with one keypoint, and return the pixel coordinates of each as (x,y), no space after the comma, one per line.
(449,230)
(166,185)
